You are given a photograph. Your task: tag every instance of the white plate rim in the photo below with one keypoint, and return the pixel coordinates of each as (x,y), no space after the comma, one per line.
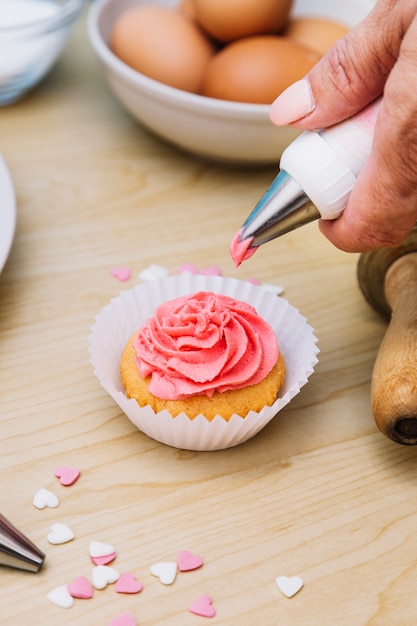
(7,212)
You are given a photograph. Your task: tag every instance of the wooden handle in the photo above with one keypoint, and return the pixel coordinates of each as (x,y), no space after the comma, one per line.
(394,379)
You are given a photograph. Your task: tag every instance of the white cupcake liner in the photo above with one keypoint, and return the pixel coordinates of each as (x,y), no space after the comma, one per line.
(129,311)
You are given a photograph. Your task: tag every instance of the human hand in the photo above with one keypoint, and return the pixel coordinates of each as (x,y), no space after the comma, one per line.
(378,56)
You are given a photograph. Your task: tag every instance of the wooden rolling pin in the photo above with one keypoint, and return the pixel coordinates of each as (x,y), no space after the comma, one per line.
(388,280)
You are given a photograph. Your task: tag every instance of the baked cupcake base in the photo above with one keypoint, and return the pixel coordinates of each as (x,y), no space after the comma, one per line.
(125,314)
(241,401)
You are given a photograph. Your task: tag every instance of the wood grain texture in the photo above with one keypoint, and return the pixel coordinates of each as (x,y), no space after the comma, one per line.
(320,493)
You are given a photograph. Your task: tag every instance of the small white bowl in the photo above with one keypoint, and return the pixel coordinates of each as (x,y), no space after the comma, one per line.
(32,35)
(217,129)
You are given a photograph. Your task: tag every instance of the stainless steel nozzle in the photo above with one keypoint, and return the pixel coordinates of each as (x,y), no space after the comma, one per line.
(16,550)
(283,207)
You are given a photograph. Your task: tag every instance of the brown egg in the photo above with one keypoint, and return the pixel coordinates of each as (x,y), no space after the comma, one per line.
(256,69)
(227,20)
(164,45)
(187,8)
(316,33)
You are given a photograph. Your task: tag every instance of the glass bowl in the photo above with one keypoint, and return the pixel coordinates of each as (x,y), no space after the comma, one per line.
(32,35)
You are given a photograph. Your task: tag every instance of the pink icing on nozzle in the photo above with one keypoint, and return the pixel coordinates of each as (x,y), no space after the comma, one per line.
(241,250)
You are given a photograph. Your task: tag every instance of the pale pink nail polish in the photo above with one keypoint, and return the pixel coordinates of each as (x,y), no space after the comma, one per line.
(292,104)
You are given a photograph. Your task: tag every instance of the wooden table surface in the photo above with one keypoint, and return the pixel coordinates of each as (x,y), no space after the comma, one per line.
(320,493)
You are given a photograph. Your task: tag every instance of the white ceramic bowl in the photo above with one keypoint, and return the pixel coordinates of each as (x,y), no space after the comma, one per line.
(32,35)
(217,129)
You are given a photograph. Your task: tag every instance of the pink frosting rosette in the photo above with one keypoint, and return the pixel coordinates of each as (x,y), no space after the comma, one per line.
(204,343)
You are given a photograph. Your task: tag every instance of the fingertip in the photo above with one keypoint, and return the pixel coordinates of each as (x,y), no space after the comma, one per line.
(294,103)
(342,236)
(335,233)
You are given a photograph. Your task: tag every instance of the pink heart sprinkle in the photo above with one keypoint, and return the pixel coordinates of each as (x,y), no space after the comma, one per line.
(122,273)
(254,281)
(188,561)
(103,560)
(67,475)
(213,270)
(203,606)
(124,619)
(127,583)
(188,267)
(80,588)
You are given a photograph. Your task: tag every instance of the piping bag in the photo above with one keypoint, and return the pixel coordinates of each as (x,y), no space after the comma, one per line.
(16,550)
(318,170)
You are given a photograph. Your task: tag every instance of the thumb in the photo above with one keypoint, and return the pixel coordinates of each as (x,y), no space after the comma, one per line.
(351,74)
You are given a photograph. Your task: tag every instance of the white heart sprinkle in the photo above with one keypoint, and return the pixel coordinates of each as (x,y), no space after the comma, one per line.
(103,575)
(60,597)
(276,289)
(44,498)
(153,272)
(60,533)
(97,548)
(289,586)
(165,571)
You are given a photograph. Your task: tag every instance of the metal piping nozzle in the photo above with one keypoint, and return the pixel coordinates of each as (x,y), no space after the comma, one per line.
(16,550)
(283,207)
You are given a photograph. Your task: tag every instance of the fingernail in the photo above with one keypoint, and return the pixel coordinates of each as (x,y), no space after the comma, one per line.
(292,104)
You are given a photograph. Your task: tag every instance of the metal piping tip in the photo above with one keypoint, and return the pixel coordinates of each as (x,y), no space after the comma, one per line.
(18,551)
(283,207)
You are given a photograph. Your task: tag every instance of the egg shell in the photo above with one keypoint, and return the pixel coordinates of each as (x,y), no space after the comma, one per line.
(256,69)
(228,20)
(316,33)
(163,44)
(187,8)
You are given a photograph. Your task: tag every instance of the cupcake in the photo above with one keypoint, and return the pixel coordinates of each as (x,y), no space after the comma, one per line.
(221,397)
(203,353)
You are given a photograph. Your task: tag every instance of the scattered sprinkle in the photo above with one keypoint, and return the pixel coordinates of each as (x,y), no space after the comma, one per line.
(122,273)
(276,289)
(289,586)
(60,533)
(103,575)
(212,270)
(187,267)
(60,597)
(98,548)
(153,272)
(44,498)
(187,561)
(203,606)
(67,475)
(165,571)
(80,588)
(127,583)
(103,560)
(101,553)
(124,619)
